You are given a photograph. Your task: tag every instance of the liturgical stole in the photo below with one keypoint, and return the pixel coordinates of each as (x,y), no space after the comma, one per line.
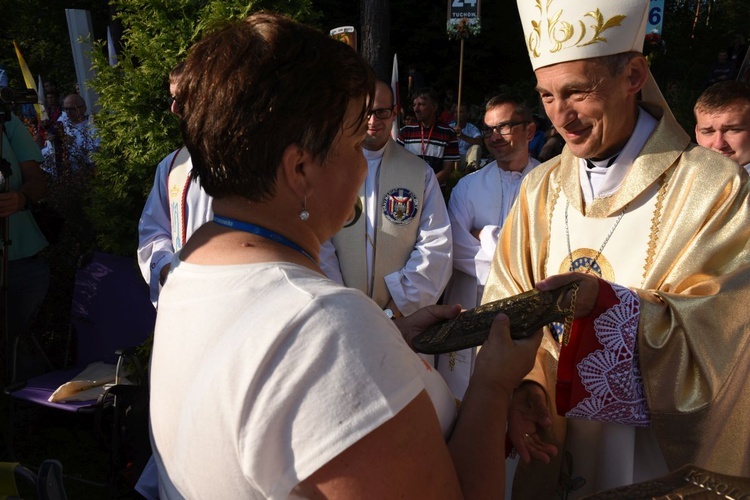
(178,183)
(401,189)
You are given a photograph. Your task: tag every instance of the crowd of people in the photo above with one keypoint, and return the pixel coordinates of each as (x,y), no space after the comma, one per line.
(292,262)
(467,122)
(40,149)
(285,337)
(64,132)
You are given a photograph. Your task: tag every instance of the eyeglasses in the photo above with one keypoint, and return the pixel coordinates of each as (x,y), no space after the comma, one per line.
(381,114)
(73,109)
(505,128)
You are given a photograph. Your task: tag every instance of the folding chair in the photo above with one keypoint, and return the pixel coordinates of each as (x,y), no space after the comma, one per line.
(110,310)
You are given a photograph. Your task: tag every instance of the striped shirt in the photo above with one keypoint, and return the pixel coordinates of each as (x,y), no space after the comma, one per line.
(434,145)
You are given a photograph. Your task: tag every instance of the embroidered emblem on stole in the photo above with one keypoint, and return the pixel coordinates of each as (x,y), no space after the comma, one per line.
(400,206)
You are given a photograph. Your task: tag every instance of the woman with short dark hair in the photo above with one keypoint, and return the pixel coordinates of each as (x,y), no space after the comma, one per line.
(269,380)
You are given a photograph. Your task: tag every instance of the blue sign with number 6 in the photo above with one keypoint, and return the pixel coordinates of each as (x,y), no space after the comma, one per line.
(655,17)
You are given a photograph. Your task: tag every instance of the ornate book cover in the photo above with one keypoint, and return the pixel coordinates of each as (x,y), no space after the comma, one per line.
(688,482)
(527,313)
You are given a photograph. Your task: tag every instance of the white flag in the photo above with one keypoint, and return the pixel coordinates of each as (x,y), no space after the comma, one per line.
(41,98)
(396,98)
(111,49)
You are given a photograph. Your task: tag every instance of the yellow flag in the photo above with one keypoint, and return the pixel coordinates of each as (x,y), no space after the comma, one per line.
(30,83)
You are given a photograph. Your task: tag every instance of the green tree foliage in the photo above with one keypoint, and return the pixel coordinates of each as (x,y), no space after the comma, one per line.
(135,125)
(41,31)
(694,31)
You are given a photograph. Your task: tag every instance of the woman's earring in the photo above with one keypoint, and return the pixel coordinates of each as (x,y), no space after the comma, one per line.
(304,214)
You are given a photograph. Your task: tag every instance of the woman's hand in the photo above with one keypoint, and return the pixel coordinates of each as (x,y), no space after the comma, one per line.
(502,361)
(480,430)
(414,324)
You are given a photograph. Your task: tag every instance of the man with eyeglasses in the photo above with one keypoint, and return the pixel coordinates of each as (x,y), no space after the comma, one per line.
(79,139)
(176,206)
(478,206)
(399,251)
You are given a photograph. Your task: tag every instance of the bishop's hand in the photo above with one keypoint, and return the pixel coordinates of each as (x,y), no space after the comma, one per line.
(588,290)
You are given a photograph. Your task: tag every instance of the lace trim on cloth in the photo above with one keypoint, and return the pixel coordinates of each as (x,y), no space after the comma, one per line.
(612,375)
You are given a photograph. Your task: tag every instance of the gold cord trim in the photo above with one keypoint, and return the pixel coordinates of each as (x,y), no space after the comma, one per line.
(656,222)
(552,203)
(570,316)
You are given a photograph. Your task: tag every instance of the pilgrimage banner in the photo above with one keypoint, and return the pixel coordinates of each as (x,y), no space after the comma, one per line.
(463,18)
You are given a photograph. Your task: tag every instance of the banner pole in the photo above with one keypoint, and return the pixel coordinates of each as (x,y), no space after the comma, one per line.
(460,82)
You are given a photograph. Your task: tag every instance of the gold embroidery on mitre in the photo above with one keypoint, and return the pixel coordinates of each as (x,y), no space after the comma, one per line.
(590,261)
(560,32)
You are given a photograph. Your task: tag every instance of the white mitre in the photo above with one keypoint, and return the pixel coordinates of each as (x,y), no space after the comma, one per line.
(567,30)
(558,31)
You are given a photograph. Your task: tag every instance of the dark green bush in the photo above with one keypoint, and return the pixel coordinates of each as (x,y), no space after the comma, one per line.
(136,127)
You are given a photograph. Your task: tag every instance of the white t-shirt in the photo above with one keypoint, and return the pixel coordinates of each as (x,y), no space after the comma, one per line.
(263,373)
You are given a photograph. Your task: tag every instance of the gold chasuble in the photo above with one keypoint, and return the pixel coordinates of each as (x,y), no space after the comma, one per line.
(400,198)
(683,246)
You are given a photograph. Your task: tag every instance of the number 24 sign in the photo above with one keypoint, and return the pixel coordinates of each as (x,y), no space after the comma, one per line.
(458,9)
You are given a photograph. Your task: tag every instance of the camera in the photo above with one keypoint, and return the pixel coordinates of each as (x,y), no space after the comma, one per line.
(8,99)
(14,97)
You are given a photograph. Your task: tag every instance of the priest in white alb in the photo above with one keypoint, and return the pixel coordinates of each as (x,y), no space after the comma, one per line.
(478,206)
(653,373)
(398,252)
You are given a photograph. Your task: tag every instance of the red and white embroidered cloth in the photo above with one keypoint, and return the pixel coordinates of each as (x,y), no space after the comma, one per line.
(598,375)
